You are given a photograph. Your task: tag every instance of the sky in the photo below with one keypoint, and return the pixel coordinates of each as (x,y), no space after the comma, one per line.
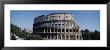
(86,19)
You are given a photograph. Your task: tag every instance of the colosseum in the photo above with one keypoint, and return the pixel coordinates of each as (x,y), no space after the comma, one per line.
(57,26)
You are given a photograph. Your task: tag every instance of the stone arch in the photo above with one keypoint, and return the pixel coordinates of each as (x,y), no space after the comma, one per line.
(59,36)
(71,37)
(67,37)
(70,30)
(48,36)
(74,37)
(52,36)
(45,29)
(55,29)
(77,30)
(42,29)
(48,29)
(59,30)
(55,36)
(73,30)
(52,29)
(67,30)
(63,30)
(63,36)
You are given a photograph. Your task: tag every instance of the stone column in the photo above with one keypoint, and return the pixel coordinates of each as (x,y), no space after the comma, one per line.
(50,30)
(65,30)
(57,36)
(44,30)
(57,30)
(79,37)
(69,37)
(61,30)
(75,30)
(68,30)
(61,36)
(47,30)
(76,37)
(47,36)
(65,36)
(54,30)
(50,37)
(72,30)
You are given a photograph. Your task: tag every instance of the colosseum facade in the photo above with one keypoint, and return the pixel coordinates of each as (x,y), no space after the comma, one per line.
(57,26)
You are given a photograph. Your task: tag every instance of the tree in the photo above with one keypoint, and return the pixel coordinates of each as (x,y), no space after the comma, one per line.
(90,35)
(97,35)
(23,34)
(86,34)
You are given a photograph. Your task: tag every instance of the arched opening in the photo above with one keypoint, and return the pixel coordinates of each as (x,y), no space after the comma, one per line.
(52,37)
(63,30)
(74,37)
(52,29)
(48,36)
(77,37)
(73,30)
(66,30)
(59,30)
(52,24)
(55,36)
(77,30)
(59,36)
(71,37)
(67,37)
(48,29)
(70,30)
(45,29)
(55,30)
(63,37)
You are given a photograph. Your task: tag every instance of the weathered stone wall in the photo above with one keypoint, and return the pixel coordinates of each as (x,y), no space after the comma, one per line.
(57,25)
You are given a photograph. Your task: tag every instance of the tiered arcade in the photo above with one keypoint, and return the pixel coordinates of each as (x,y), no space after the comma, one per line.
(57,26)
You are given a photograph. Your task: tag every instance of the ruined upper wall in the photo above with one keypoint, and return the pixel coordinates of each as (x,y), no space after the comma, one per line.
(54,16)
(60,16)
